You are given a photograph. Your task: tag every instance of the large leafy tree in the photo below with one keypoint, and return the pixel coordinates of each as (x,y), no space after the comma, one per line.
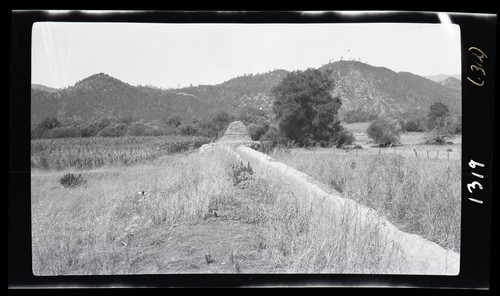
(441,124)
(305,109)
(437,115)
(221,120)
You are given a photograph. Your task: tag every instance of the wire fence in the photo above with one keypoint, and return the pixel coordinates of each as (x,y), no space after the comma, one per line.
(427,153)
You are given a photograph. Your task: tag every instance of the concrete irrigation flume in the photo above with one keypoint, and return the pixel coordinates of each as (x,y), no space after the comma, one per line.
(401,252)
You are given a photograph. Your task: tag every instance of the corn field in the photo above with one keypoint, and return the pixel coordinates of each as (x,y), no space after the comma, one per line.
(82,153)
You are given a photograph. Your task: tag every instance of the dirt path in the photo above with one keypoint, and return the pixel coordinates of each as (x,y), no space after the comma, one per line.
(213,246)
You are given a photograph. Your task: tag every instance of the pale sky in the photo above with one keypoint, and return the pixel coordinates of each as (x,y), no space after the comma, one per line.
(172,55)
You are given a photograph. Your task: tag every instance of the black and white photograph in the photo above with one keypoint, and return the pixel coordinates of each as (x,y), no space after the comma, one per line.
(250,148)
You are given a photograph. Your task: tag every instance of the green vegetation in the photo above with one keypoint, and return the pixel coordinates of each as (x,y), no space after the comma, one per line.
(44,126)
(384,132)
(306,113)
(437,114)
(112,127)
(84,153)
(72,180)
(366,91)
(441,125)
(415,124)
(101,96)
(358,115)
(241,173)
(259,128)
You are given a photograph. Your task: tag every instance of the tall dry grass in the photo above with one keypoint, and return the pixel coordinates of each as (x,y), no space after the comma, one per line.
(88,229)
(294,240)
(420,196)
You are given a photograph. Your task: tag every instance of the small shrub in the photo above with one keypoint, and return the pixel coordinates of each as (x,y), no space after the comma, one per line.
(436,137)
(274,137)
(136,129)
(413,125)
(95,127)
(343,138)
(187,129)
(116,130)
(384,132)
(174,121)
(241,174)
(71,180)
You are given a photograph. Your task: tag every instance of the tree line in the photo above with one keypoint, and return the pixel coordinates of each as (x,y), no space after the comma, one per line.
(303,113)
(53,127)
(439,125)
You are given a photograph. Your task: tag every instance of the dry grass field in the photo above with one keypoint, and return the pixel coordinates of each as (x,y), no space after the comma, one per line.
(106,227)
(197,215)
(419,196)
(191,219)
(417,187)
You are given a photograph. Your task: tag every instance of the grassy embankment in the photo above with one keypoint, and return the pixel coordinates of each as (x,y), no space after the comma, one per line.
(191,207)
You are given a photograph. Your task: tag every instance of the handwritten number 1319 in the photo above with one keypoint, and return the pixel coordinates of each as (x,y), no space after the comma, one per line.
(475,184)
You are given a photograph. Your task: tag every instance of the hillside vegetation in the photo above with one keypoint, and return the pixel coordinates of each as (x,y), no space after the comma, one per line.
(383,92)
(361,87)
(101,96)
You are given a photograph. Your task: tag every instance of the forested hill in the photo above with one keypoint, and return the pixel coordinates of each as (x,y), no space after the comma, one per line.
(361,87)
(101,95)
(381,91)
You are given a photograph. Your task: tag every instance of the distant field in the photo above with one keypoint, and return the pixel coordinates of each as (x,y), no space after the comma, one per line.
(411,144)
(85,153)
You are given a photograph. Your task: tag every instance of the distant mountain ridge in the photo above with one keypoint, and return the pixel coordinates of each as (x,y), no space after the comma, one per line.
(441,77)
(43,87)
(452,83)
(360,86)
(381,91)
